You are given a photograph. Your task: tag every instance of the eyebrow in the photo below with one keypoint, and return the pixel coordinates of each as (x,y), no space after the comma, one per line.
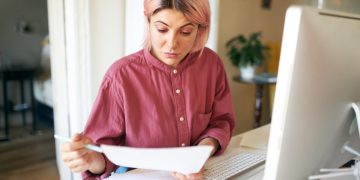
(191,24)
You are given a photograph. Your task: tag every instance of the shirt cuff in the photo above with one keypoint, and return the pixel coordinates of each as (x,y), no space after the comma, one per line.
(109,168)
(222,137)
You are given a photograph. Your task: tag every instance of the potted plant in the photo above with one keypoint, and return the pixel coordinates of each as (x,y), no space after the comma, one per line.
(247,53)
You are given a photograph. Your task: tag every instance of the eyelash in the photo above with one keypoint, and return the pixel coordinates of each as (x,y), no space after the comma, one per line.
(186,33)
(162,30)
(183,33)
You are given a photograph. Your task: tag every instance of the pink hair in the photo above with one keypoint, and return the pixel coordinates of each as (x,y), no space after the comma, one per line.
(196,11)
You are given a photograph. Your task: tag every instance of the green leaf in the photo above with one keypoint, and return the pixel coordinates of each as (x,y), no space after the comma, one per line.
(243,51)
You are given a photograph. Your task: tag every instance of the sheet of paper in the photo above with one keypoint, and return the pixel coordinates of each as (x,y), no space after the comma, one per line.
(256,138)
(141,174)
(185,160)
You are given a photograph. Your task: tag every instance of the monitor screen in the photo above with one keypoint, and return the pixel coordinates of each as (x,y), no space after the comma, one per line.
(318,79)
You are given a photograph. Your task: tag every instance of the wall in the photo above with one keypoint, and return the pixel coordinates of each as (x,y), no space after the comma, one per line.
(17,46)
(107,29)
(246,16)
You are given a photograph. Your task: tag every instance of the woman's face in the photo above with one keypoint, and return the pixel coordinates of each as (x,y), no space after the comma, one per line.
(172,36)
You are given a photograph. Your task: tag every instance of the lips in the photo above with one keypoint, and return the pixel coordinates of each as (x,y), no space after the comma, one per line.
(171,55)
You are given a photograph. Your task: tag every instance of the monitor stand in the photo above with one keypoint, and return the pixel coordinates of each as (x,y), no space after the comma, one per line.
(345,172)
(356,108)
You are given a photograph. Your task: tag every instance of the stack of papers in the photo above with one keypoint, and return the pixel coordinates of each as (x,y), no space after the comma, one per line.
(186,160)
(256,138)
(141,174)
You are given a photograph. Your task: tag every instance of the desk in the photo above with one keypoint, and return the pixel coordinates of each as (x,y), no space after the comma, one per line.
(259,85)
(19,75)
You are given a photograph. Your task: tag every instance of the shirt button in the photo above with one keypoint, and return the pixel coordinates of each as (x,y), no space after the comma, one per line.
(175,71)
(182,119)
(177,91)
(183,144)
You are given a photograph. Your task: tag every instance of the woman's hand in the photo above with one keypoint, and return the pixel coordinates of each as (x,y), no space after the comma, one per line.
(210,142)
(195,176)
(200,175)
(80,159)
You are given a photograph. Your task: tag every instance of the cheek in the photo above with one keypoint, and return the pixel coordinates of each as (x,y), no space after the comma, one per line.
(156,40)
(188,43)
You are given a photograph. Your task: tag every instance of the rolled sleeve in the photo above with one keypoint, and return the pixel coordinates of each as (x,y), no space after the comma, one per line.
(222,121)
(221,131)
(109,168)
(105,124)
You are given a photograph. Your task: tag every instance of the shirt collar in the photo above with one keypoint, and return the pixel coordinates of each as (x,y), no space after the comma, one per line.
(189,59)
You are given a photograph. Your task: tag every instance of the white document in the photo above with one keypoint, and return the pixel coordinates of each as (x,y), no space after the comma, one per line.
(186,160)
(141,174)
(256,138)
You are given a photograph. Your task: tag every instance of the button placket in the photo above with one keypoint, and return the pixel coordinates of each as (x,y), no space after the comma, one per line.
(177,90)
(183,131)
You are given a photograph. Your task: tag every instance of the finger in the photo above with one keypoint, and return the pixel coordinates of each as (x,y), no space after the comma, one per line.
(78,165)
(78,141)
(78,168)
(79,137)
(196,176)
(200,174)
(72,146)
(174,174)
(179,176)
(76,137)
(72,155)
(84,140)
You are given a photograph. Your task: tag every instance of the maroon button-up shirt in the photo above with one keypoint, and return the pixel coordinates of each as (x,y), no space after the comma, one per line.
(143,102)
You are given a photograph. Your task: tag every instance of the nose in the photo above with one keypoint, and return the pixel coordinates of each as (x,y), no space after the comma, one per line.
(172,41)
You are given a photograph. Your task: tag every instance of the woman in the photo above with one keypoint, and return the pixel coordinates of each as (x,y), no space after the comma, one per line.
(172,93)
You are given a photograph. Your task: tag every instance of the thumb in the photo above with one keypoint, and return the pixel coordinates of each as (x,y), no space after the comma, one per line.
(76,137)
(87,140)
(81,138)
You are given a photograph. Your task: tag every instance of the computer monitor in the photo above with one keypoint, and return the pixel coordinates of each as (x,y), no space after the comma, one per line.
(318,79)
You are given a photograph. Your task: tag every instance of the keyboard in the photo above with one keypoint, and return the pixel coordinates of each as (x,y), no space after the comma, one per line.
(234,165)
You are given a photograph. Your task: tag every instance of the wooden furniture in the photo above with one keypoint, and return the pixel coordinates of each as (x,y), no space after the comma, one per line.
(259,85)
(19,75)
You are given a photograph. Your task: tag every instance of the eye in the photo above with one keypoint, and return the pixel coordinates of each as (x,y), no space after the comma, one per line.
(161,30)
(186,33)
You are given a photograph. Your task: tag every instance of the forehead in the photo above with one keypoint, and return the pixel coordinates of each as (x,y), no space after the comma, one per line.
(171,17)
